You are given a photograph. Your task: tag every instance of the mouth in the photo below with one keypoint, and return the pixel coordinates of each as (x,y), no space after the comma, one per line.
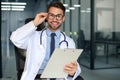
(54,23)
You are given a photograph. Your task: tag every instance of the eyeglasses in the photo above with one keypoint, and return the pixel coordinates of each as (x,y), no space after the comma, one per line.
(52,16)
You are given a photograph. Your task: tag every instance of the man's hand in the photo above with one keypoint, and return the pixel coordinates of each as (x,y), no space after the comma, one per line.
(71,68)
(40,17)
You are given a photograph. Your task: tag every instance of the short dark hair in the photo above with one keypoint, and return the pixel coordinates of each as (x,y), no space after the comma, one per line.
(56,4)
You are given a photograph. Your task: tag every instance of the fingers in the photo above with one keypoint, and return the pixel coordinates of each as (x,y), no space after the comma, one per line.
(71,65)
(40,17)
(71,68)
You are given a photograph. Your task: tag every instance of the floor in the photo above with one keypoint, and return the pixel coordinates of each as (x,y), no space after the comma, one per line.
(9,71)
(87,74)
(101,74)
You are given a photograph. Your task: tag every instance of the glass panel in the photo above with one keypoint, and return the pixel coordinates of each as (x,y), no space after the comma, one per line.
(84,32)
(12,18)
(107,41)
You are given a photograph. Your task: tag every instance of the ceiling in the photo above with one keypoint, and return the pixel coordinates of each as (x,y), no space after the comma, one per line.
(30,3)
(25,0)
(18,0)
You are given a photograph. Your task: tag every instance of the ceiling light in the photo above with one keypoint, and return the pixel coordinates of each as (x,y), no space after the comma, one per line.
(13,9)
(5,9)
(13,3)
(83,11)
(18,6)
(76,5)
(67,10)
(66,5)
(14,6)
(72,8)
(4,6)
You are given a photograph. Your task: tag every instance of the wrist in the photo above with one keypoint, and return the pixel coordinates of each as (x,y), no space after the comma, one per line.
(35,23)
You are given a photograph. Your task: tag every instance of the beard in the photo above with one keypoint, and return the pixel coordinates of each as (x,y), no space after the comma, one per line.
(54,27)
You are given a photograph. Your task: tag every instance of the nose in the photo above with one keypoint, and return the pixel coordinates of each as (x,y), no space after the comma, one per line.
(55,18)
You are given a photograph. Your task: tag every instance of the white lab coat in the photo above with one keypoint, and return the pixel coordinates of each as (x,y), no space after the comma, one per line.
(26,37)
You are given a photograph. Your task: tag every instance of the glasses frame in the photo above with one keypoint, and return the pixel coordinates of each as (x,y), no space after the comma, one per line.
(52,16)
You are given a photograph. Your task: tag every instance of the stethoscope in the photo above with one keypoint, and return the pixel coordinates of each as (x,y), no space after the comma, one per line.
(59,43)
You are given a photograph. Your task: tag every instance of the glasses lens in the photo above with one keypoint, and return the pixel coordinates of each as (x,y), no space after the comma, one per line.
(59,17)
(52,16)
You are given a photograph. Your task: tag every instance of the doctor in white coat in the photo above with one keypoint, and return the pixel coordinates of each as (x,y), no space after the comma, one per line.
(38,48)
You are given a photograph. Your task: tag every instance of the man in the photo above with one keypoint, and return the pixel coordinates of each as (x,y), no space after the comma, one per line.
(38,43)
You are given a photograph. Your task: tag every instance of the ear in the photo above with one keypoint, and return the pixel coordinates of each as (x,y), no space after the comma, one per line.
(63,18)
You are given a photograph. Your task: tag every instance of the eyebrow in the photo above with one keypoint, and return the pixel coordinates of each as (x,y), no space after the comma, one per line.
(54,14)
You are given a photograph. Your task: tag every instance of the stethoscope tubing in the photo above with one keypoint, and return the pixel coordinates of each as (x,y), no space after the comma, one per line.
(59,43)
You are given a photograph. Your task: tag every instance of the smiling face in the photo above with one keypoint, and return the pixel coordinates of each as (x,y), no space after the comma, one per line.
(55,18)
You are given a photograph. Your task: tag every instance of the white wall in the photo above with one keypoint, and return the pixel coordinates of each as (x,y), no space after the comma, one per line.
(117,16)
(108,15)
(107,19)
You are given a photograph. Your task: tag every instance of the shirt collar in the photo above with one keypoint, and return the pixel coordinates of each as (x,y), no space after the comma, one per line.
(48,32)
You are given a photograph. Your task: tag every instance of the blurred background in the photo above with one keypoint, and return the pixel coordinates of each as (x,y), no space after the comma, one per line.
(93,24)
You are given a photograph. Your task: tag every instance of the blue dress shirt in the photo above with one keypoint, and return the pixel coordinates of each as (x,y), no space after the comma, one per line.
(47,56)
